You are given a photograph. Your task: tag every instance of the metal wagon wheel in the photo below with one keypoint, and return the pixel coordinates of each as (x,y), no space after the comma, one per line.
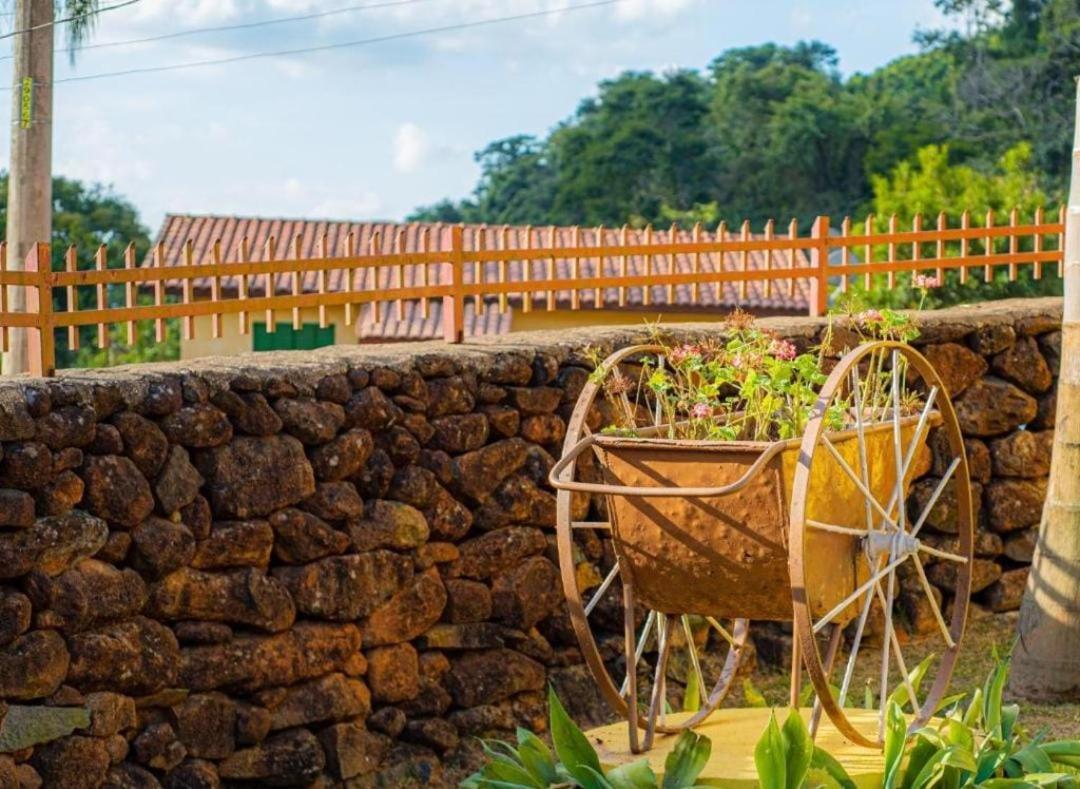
(883,542)
(672,637)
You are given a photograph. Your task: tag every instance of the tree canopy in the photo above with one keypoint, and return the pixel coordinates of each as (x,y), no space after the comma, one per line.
(775,131)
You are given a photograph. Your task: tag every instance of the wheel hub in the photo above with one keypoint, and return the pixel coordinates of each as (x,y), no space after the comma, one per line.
(893,544)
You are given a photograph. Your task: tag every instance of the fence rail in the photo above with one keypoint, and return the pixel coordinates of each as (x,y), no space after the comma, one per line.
(481,267)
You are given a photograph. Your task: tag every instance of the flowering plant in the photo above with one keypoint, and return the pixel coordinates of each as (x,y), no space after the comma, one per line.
(747,384)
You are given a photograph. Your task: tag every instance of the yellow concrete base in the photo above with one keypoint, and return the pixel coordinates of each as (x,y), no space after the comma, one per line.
(734,733)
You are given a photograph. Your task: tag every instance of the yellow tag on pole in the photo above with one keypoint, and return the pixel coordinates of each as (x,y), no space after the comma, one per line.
(26,115)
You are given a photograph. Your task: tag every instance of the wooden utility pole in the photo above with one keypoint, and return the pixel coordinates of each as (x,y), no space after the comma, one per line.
(29,218)
(1046,661)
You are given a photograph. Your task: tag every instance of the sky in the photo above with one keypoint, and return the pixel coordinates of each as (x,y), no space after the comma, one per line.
(373,131)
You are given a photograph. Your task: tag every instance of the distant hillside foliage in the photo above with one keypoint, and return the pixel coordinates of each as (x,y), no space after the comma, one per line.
(774,131)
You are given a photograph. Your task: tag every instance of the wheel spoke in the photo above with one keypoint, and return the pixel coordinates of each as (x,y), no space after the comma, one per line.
(898,445)
(724,634)
(639,650)
(898,653)
(933,602)
(861,432)
(856,642)
(910,457)
(934,496)
(832,527)
(601,525)
(952,557)
(589,606)
(887,606)
(656,703)
(851,598)
(858,483)
(703,691)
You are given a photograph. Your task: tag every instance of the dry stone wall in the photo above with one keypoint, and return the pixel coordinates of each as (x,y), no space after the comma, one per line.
(335,568)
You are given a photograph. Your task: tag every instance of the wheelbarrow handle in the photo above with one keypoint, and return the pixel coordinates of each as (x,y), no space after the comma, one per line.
(555,477)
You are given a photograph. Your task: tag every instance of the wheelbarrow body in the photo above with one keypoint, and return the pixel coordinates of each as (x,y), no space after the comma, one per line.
(727,556)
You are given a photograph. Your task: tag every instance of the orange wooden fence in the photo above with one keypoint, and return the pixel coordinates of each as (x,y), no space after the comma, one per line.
(476,269)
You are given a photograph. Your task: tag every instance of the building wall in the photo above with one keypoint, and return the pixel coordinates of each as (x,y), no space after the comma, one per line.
(232,342)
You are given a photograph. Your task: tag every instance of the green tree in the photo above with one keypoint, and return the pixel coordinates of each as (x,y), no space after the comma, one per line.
(783,134)
(929,183)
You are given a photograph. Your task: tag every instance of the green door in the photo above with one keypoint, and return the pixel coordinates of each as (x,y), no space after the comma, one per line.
(286,338)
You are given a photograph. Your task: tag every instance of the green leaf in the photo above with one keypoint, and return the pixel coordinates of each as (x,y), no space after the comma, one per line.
(769,757)
(596,779)
(692,696)
(508,773)
(930,771)
(686,760)
(1030,759)
(868,696)
(956,733)
(988,764)
(752,696)
(920,754)
(571,745)
(992,693)
(960,757)
(895,738)
(974,714)
(1009,714)
(536,757)
(915,678)
(1033,780)
(949,701)
(635,775)
(822,760)
(798,749)
(1066,752)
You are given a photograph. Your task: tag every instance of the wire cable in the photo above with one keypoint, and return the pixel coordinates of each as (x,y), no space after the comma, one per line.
(240,26)
(75,18)
(340,45)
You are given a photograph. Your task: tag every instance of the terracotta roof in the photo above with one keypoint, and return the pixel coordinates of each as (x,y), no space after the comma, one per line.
(204,230)
(414,326)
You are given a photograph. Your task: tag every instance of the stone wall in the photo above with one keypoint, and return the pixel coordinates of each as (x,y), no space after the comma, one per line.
(333,568)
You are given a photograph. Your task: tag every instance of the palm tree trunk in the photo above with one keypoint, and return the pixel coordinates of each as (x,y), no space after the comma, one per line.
(1046,663)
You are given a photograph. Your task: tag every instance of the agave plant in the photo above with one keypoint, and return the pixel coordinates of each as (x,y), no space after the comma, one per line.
(532,765)
(977,742)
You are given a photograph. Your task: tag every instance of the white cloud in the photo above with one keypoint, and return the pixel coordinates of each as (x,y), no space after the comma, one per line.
(640,9)
(410,148)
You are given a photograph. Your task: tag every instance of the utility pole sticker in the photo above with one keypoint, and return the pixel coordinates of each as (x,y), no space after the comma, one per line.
(26,115)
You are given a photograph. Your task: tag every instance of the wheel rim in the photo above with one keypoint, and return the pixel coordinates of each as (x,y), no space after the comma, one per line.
(673,641)
(886,543)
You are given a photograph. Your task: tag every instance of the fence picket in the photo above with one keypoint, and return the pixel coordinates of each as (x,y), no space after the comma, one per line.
(101,261)
(269,251)
(1037,243)
(215,288)
(71,263)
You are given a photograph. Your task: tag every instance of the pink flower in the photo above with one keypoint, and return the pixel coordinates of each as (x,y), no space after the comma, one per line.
(782,349)
(869,316)
(737,361)
(681,353)
(925,281)
(701,411)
